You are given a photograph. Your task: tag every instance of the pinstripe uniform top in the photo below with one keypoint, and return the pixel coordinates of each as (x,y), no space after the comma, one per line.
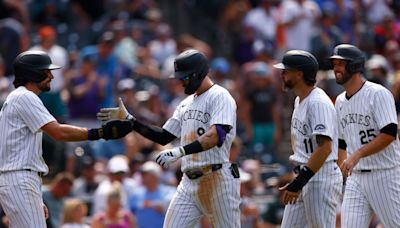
(314,115)
(360,119)
(195,115)
(21,118)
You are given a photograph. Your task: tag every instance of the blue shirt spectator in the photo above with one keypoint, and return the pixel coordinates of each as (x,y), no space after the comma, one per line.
(149,203)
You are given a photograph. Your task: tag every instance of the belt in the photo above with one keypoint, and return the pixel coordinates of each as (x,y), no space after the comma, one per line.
(198,172)
(41,174)
(364,170)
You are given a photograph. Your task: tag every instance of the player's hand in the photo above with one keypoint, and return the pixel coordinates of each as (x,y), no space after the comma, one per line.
(349,163)
(46,211)
(166,157)
(288,196)
(120,113)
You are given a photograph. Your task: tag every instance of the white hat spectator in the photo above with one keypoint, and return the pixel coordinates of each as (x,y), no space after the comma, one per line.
(377,61)
(151,167)
(244,176)
(118,164)
(126,84)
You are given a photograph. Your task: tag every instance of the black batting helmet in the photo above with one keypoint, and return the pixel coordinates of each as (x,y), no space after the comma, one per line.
(302,61)
(354,57)
(191,65)
(29,66)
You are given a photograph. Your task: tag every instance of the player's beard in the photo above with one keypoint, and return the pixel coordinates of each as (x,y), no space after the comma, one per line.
(343,79)
(44,85)
(287,85)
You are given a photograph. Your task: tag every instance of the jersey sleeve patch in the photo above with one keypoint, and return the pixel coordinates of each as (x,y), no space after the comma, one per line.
(319,127)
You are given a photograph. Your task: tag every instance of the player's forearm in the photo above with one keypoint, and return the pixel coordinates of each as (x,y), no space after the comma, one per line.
(320,155)
(376,145)
(209,139)
(154,133)
(67,132)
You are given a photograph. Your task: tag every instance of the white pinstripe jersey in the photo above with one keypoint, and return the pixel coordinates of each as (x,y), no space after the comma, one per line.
(360,119)
(22,116)
(195,115)
(314,115)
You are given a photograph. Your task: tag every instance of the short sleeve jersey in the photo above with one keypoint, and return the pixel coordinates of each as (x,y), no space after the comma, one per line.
(21,117)
(314,115)
(195,115)
(360,119)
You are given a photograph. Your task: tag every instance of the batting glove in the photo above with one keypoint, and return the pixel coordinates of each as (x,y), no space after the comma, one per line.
(119,113)
(166,157)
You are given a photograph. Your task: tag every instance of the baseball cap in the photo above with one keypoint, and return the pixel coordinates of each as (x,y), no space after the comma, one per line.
(118,164)
(126,84)
(220,64)
(151,167)
(261,69)
(244,176)
(377,61)
(46,31)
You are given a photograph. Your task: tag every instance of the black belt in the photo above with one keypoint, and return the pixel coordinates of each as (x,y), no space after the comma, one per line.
(198,172)
(365,170)
(41,174)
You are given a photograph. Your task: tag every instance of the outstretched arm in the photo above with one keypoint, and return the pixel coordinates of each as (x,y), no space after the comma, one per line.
(154,133)
(111,130)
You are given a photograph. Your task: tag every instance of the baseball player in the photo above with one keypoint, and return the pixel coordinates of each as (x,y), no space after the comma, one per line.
(368,132)
(312,197)
(23,119)
(205,122)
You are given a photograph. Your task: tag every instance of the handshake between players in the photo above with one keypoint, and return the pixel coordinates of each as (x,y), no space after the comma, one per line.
(119,122)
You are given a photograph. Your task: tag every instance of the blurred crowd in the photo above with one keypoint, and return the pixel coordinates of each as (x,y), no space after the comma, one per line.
(125,48)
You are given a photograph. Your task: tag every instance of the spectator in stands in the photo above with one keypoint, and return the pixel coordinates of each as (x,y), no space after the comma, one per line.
(114,214)
(5,83)
(164,45)
(298,19)
(264,20)
(378,70)
(106,65)
(54,197)
(86,90)
(74,213)
(52,100)
(117,170)
(85,185)
(273,214)
(263,106)
(250,216)
(150,202)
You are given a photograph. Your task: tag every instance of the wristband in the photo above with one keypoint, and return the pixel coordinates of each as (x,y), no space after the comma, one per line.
(193,148)
(302,179)
(95,134)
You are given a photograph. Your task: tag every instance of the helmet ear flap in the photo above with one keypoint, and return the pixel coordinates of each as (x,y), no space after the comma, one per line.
(355,65)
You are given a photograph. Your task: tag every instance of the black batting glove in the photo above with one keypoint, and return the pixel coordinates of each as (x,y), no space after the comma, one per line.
(302,179)
(114,129)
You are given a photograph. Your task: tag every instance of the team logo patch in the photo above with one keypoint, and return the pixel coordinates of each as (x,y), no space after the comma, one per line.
(320,127)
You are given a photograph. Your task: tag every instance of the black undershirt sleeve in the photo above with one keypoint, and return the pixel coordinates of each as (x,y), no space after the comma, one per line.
(390,129)
(154,133)
(342,144)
